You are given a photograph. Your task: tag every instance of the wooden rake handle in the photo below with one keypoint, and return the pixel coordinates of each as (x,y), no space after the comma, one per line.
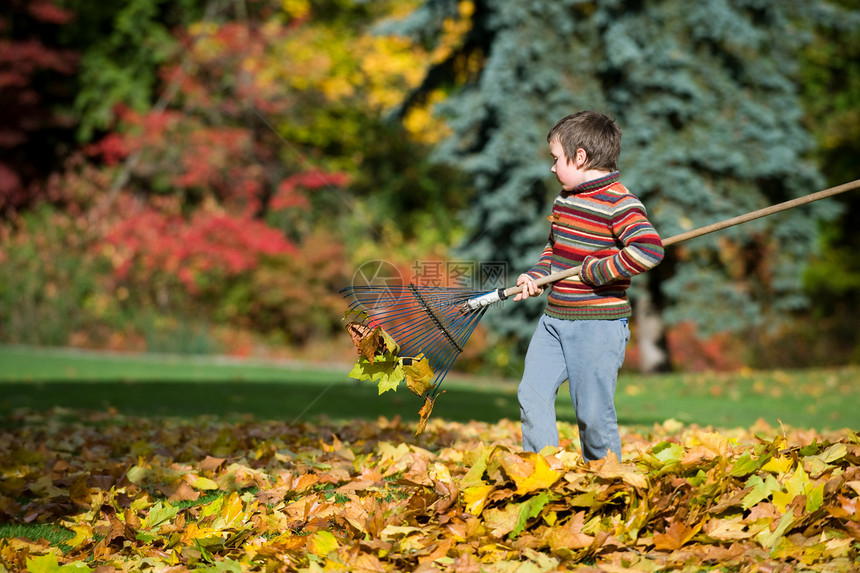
(708,229)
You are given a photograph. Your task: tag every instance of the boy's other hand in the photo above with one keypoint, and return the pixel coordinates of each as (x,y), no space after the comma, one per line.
(529,287)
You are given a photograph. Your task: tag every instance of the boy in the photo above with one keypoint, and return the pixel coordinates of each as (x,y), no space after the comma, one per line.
(599,224)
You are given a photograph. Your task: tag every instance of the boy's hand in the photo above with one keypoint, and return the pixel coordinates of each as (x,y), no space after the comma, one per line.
(529,288)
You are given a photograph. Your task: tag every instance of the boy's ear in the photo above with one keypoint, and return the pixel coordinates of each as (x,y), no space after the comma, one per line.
(581,157)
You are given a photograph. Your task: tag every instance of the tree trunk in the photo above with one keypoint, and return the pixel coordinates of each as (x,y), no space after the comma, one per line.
(650,335)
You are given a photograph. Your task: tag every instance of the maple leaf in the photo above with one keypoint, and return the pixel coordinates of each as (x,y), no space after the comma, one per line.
(675,536)
(386,371)
(475,497)
(731,529)
(158,514)
(371,341)
(610,468)
(569,535)
(418,374)
(778,465)
(322,543)
(501,521)
(759,489)
(233,511)
(530,471)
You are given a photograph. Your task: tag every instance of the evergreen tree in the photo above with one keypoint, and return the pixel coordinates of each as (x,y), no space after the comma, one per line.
(706,94)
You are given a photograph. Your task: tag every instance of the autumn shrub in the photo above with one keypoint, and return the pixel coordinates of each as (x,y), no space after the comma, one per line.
(233,270)
(692,352)
(291,298)
(50,279)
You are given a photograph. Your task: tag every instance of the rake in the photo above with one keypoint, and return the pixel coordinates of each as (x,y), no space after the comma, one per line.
(437,321)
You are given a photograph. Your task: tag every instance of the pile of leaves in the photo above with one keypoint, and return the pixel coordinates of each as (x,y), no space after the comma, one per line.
(136,494)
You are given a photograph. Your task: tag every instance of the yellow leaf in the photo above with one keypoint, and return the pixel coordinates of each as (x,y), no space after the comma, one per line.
(42,563)
(205,484)
(778,465)
(418,375)
(475,498)
(322,543)
(715,442)
(192,531)
(529,470)
(798,483)
(233,511)
(440,472)
(394,531)
(82,533)
(731,529)
(212,508)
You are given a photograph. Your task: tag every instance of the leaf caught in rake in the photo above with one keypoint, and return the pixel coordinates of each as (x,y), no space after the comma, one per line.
(431,321)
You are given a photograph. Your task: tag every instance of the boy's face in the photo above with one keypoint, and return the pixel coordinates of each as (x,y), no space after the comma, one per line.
(569,173)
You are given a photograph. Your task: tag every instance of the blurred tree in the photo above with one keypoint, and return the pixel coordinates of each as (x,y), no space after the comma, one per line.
(830,70)
(36,95)
(217,142)
(122,44)
(707,96)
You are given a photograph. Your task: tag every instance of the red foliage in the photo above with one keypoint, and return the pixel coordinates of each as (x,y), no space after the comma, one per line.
(9,182)
(112,149)
(30,68)
(690,353)
(47,11)
(289,193)
(148,243)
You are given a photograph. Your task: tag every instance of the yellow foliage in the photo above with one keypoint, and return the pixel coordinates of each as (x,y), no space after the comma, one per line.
(422,125)
(453,32)
(296,8)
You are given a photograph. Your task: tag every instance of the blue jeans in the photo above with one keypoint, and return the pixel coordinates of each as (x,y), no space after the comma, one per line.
(587,353)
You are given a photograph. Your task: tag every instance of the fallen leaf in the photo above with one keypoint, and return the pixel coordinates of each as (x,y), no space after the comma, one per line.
(569,535)
(610,468)
(530,471)
(675,536)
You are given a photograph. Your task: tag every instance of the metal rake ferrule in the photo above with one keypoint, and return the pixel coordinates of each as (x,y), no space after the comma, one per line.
(484,300)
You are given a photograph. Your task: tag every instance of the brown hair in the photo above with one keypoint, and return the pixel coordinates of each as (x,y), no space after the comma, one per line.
(592,131)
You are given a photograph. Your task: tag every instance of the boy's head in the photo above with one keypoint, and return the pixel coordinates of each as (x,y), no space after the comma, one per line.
(597,134)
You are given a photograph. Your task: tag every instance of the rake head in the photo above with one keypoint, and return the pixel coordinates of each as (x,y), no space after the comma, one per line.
(433,321)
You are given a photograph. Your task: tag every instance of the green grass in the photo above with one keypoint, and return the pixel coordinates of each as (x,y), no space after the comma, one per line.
(41,379)
(54,534)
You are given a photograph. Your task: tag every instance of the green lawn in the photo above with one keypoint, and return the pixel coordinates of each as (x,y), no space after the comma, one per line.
(42,379)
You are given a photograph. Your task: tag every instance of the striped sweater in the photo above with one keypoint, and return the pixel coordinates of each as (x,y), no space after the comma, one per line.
(603,227)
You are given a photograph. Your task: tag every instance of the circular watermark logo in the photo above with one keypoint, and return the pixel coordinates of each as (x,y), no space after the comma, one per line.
(379,282)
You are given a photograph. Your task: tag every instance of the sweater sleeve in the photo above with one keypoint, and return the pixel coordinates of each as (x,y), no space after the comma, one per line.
(642,248)
(544,265)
